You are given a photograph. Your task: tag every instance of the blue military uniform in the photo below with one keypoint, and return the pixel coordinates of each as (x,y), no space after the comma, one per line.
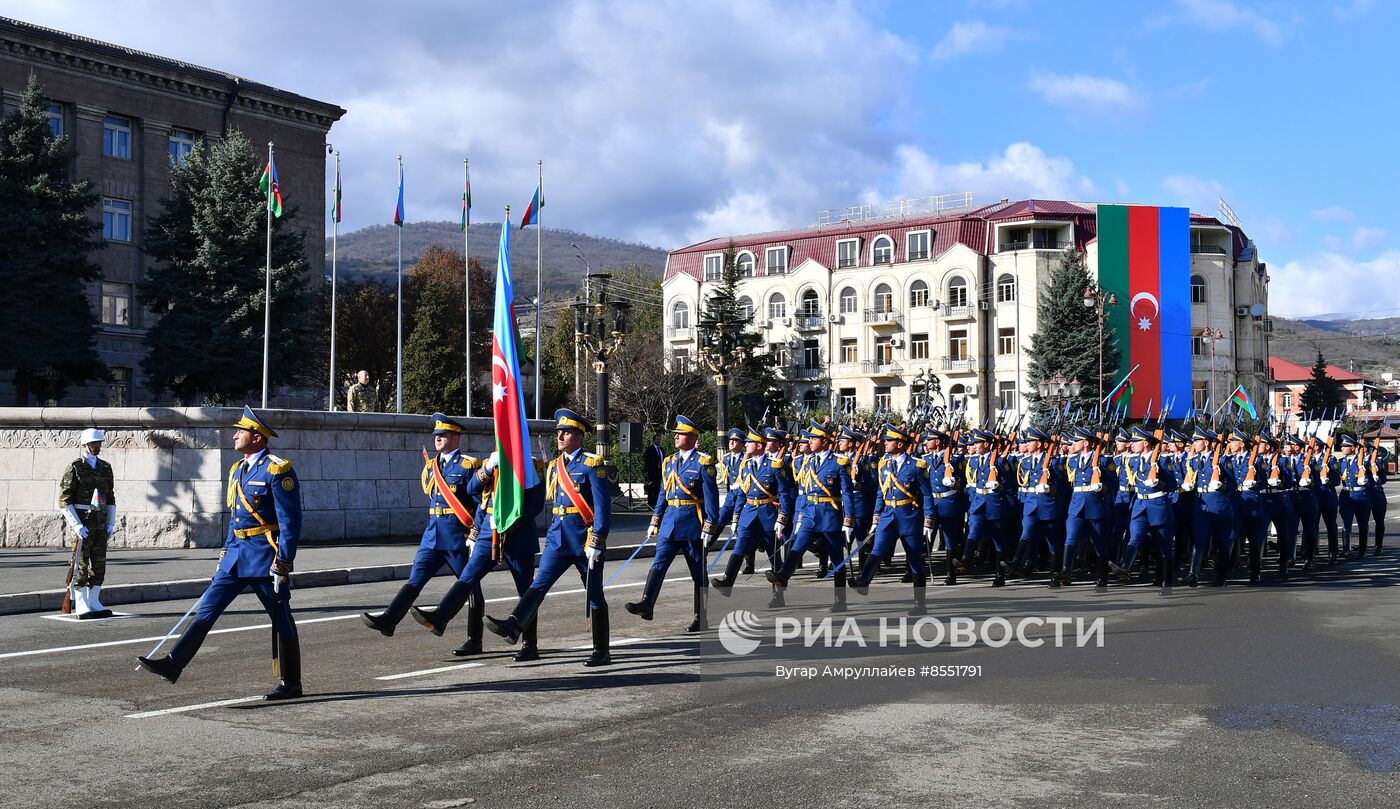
(765,495)
(1276,500)
(1151,519)
(264,499)
(726,475)
(824,497)
(987,506)
(903,509)
(948,498)
(1360,479)
(1306,508)
(1327,500)
(1090,507)
(683,521)
(1212,480)
(1251,526)
(1036,475)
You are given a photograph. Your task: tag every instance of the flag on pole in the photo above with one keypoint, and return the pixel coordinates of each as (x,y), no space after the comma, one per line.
(532,213)
(1123,388)
(398,209)
(467,201)
(1241,398)
(335,197)
(271,189)
(515,471)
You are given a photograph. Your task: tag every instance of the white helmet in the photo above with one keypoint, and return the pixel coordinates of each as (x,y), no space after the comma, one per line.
(90,435)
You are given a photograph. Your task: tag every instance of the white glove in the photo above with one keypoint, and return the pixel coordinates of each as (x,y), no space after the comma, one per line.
(848,533)
(1042,488)
(652,531)
(1186,487)
(593,554)
(1149,483)
(1214,486)
(1096,487)
(490,462)
(993,485)
(70,516)
(1273,481)
(949,481)
(1360,480)
(929,534)
(1249,485)
(471,543)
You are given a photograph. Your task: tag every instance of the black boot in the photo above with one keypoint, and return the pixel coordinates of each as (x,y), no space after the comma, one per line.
(642,609)
(436,618)
(529,641)
(1168,575)
(920,596)
(701,600)
(861,582)
(385,621)
(781,575)
(748,561)
(180,655)
(1101,573)
(513,624)
(476,614)
(289,665)
(601,656)
(1125,573)
(725,584)
(907,578)
(1223,564)
(1193,575)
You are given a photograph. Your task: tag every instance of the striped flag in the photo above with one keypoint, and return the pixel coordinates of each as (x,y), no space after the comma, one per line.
(532,212)
(271,189)
(398,208)
(515,471)
(335,197)
(1240,398)
(467,201)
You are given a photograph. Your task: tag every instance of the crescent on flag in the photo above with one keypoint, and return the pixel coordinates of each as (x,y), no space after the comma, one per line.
(1144,323)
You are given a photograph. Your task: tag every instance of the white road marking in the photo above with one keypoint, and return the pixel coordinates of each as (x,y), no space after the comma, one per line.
(73,619)
(425,672)
(184,708)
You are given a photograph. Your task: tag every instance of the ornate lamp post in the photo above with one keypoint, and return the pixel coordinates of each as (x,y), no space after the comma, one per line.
(1211,337)
(600,324)
(721,351)
(1099,300)
(1057,389)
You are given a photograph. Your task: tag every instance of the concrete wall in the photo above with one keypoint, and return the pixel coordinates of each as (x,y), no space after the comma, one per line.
(359,471)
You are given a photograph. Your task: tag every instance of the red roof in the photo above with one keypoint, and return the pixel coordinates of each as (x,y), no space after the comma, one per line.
(1281,370)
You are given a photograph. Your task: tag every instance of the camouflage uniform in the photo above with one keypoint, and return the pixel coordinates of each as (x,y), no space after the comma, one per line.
(79,482)
(362,398)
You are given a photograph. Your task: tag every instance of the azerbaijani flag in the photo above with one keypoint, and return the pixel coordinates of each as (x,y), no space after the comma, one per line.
(271,189)
(1145,259)
(1123,388)
(515,471)
(335,198)
(532,212)
(1241,399)
(467,201)
(398,208)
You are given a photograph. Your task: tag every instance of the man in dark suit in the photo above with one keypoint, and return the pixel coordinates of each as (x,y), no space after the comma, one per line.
(651,470)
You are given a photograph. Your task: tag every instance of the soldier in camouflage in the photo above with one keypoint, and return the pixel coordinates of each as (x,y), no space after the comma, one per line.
(89,505)
(362,397)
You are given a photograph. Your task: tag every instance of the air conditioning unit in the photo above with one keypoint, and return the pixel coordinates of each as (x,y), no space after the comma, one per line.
(787,321)
(1241,311)
(897,342)
(835,318)
(984,305)
(972,390)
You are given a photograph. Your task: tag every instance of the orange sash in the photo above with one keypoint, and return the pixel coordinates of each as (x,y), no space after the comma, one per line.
(453,502)
(575,496)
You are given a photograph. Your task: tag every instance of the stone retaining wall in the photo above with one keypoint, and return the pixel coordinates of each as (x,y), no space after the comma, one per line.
(359,471)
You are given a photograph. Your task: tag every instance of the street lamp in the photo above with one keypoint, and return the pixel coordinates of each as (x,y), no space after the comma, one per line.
(1099,300)
(600,324)
(1211,337)
(1057,389)
(721,350)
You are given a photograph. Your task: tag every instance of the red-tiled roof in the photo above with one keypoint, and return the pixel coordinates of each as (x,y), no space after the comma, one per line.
(1281,370)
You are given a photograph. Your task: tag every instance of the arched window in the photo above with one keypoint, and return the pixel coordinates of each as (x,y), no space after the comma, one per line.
(883,251)
(744,263)
(745,305)
(849,301)
(680,315)
(777,306)
(957,397)
(811,400)
(883,299)
(1006,288)
(1198,289)
(918,294)
(957,292)
(810,305)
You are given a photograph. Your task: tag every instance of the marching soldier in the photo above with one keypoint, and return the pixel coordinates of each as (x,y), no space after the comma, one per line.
(1327,500)
(824,490)
(1034,475)
(1276,499)
(1122,496)
(1304,471)
(986,507)
(265,499)
(1357,476)
(864,490)
(444,480)
(88,502)
(903,511)
(682,522)
(948,498)
(727,475)
(1251,523)
(1090,507)
(1213,482)
(1153,481)
(765,503)
(577,536)
(1376,489)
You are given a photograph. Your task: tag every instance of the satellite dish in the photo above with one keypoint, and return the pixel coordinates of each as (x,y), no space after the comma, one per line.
(1258,310)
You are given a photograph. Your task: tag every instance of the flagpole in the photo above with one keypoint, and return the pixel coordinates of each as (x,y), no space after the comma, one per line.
(335,233)
(398,360)
(267,293)
(466,279)
(539,264)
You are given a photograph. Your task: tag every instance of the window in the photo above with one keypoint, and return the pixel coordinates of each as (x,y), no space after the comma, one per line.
(957,344)
(1006,395)
(811,400)
(916,245)
(850,351)
(883,298)
(918,346)
(1199,395)
(713,266)
(918,294)
(777,260)
(882,398)
(1006,341)
(1286,399)
(680,360)
(883,252)
(810,304)
(848,400)
(777,306)
(849,302)
(884,351)
(116,220)
(119,388)
(55,116)
(846,253)
(811,355)
(116,304)
(744,264)
(1198,345)
(116,137)
(1198,289)
(181,142)
(1006,288)
(957,397)
(957,292)
(779,352)
(745,306)
(680,315)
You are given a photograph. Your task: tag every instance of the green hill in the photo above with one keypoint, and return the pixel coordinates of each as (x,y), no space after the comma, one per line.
(1367,347)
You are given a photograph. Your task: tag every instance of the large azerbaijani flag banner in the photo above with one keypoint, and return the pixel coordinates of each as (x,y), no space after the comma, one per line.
(515,472)
(1145,260)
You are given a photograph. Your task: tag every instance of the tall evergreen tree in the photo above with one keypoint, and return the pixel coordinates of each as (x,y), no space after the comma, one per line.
(753,375)
(1067,340)
(434,370)
(207,285)
(46,240)
(1322,393)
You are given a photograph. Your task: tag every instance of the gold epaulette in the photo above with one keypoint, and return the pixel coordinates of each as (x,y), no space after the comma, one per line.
(591,459)
(706,459)
(468,462)
(921,463)
(278,466)
(776,463)
(842,460)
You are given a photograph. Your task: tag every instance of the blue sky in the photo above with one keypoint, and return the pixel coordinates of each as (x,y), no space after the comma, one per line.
(670,122)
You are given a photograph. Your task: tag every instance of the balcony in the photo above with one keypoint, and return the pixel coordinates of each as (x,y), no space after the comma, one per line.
(809,321)
(959,365)
(883,317)
(1209,248)
(879,368)
(680,333)
(1036,244)
(958,312)
(794,372)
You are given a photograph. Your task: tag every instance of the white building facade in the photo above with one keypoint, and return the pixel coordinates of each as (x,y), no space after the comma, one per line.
(857,311)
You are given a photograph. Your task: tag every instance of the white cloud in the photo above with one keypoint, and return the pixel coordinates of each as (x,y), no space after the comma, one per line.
(1270,230)
(1220,15)
(1331,283)
(1021,170)
(1199,194)
(1333,213)
(1364,238)
(966,37)
(1087,95)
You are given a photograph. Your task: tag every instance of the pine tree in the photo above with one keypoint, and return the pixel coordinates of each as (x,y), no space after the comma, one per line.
(753,375)
(207,286)
(1322,393)
(434,370)
(1066,340)
(46,239)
